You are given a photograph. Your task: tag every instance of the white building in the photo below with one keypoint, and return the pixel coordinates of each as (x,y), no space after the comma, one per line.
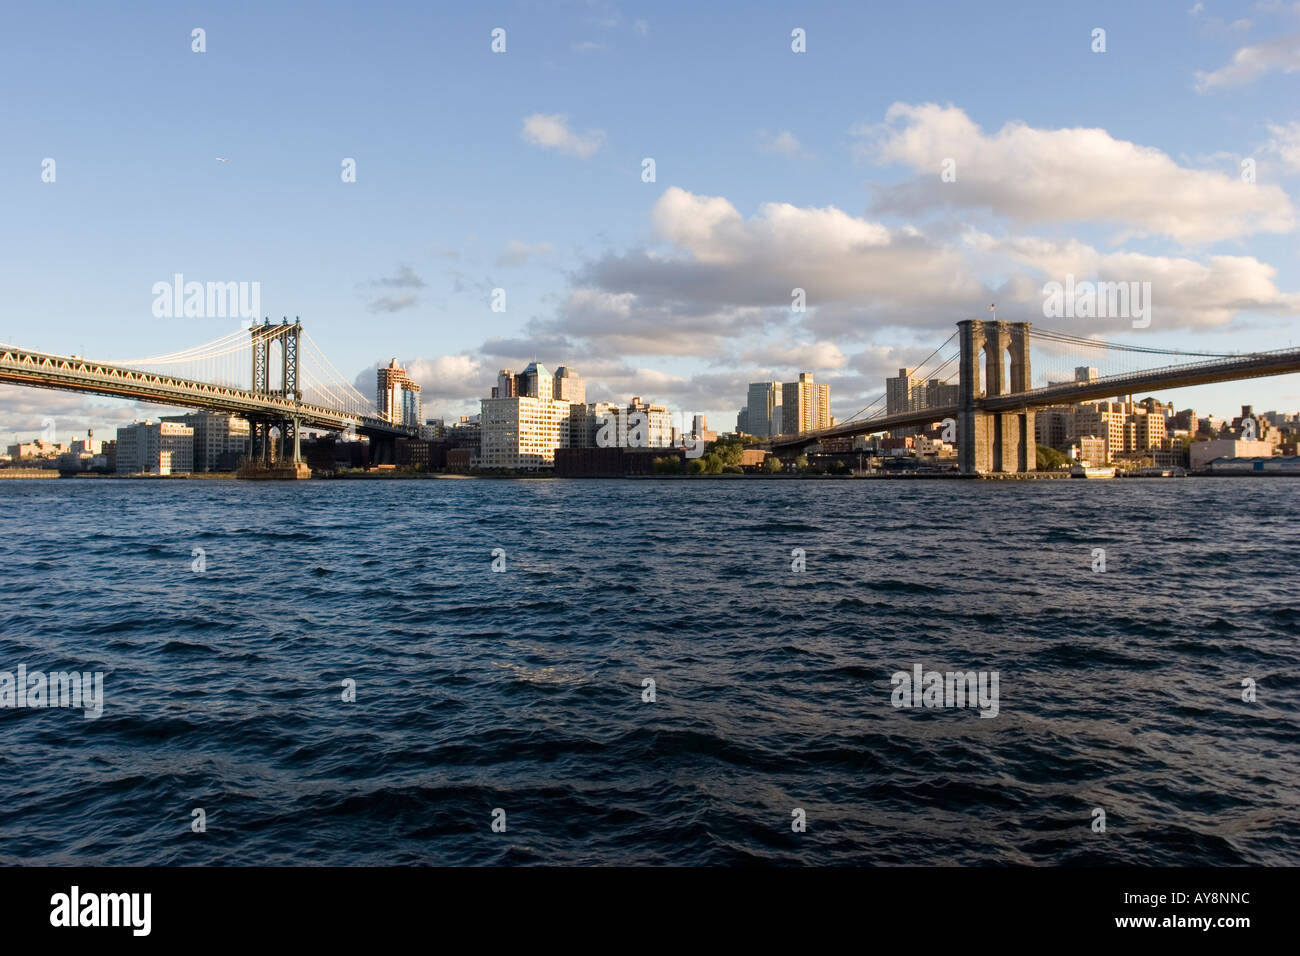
(220,439)
(522,431)
(155,448)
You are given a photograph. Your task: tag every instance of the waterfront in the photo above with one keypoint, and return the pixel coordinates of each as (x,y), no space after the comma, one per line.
(523,690)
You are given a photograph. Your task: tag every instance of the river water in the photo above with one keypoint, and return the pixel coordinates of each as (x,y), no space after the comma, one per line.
(230,620)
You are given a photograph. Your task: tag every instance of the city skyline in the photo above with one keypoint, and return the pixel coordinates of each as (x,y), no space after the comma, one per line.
(680,288)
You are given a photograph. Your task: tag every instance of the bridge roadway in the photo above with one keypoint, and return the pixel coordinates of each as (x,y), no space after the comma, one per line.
(70,373)
(1253,365)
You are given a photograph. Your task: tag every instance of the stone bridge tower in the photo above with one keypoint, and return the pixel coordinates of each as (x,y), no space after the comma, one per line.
(994,441)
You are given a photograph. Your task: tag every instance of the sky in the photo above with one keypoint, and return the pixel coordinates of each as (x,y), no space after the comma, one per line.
(912,165)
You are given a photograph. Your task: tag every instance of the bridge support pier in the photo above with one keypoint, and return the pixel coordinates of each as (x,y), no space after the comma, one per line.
(994,442)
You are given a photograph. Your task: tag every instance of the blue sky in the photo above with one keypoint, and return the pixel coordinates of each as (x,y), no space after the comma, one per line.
(522,171)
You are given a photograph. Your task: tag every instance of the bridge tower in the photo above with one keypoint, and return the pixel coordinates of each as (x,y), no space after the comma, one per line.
(265,361)
(994,441)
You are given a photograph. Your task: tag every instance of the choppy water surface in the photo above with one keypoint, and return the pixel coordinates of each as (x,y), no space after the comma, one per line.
(523,690)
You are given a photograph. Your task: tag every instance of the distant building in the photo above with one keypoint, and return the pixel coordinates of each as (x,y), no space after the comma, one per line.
(37,448)
(220,439)
(1085,373)
(906,393)
(900,392)
(522,431)
(1202,453)
(805,405)
(638,424)
(397,397)
(742,422)
(155,448)
(1268,465)
(569,387)
(700,429)
(1052,425)
(763,399)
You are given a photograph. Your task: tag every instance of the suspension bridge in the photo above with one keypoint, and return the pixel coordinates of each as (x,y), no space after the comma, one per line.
(279,379)
(274,375)
(993,399)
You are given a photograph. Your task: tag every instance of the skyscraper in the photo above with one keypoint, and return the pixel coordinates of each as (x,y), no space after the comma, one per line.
(397,397)
(763,398)
(569,386)
(805,405)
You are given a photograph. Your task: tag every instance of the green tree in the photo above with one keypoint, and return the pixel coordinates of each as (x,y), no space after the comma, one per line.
(771,464)
(668,465)
(1049,459)
(801,462)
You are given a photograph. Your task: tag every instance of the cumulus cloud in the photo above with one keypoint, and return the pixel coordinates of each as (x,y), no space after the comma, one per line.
(1278,54)
(1066,175)
(1185,293)
(551,131)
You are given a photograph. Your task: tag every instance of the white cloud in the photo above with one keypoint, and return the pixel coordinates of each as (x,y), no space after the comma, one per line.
(797,355)
(641,27)
(1251,62)
(1066,175)
(1185,293)
(517,253)
(551,131)
(1286,145)
(589,46)
(784,143)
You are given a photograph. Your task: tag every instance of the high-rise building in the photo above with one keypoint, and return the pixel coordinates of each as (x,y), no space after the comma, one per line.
(220,439)
(155,448)
(522,431)
(397,397)
(569,386)
(900,392)
(505,386)
(906,393)
(763,398)
(805,405)
(742,422)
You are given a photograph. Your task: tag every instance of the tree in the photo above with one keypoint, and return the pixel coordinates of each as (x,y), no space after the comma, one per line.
(772,464)
(801,462)
(1049,459)
(668,465)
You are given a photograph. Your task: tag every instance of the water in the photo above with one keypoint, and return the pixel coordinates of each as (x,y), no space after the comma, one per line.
(523,690)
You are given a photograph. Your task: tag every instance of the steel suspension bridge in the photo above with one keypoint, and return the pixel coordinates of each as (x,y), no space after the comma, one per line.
(279,379)
(274,375)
